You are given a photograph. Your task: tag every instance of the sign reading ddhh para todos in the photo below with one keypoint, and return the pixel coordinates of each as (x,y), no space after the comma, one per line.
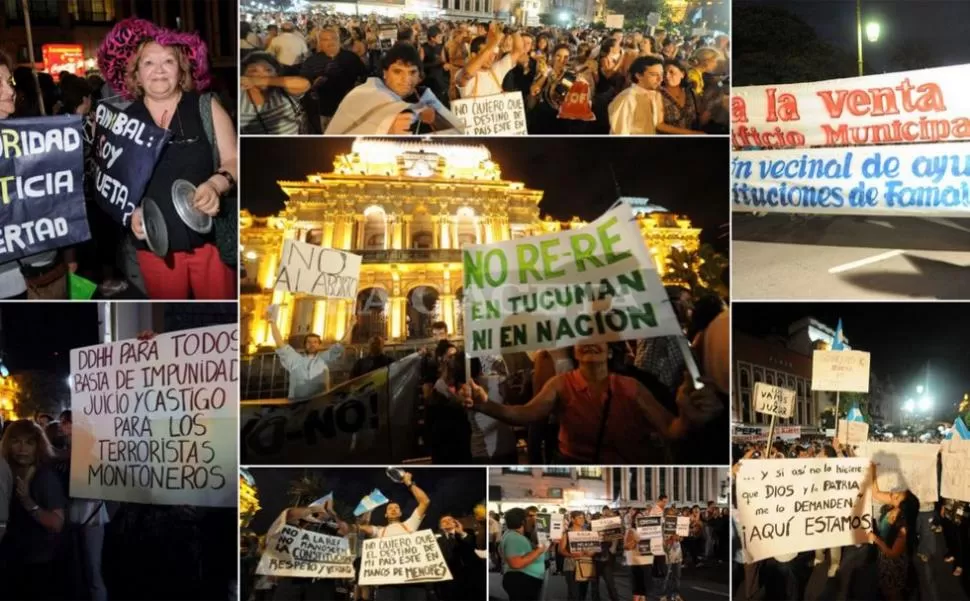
(594,284)
(156,421)
(41,186)
(918,179)
(840,371)
(318,271)
(406,559)
(496,115)
(773,400)
(794,505)
(304,554)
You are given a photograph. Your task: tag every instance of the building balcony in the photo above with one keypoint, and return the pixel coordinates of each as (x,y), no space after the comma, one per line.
(410,255)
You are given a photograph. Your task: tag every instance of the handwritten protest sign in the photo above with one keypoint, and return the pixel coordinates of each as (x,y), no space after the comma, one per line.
(594,284)
(405,559)
(609,529)
(583,541)
(41,186)
(842,371)
(773,400)
(496,115)
(369,419)
(155,420)
(929,105)
(125,153)
(852,432)
(304,554)
(956,465)
(318,271)
(919,179)
(794,505)
(904,466)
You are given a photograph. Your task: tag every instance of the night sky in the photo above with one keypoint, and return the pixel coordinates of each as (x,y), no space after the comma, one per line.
(451,490)
(40,336)
(685,175)
(901,338)
(940,27)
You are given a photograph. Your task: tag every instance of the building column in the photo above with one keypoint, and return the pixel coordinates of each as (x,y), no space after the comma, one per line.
(327,240)
(341,319)
(397,317)
(319,321)
(448,310)
(642,486)
(398,232)
(435,232)
(406,243)
(360,220)
(489,231)
(446,241)
(625,484)
(348,232)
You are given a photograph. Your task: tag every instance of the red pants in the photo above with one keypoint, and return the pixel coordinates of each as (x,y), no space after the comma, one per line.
(199,271)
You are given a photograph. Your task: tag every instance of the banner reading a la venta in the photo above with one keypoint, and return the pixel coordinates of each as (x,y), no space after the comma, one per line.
(918,179)
(929,105)
(41,186)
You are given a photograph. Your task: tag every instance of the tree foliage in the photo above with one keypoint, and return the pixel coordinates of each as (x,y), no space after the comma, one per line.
(42,392)
(699,271)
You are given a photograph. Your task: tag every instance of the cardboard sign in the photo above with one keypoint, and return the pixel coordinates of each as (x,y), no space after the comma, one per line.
(840,371)
(299,553)
(853,433)
(677,525)
(918,179)
(583,541)
(367,420)
(904,466)
(318,271)
(774,400)
(928,105)
(125,153)
(792,505)
(406,559)
(594,284)
(155,421)
(653,546)
(650,527)
(956,465)
(496,115)
(41,186)
(609,529)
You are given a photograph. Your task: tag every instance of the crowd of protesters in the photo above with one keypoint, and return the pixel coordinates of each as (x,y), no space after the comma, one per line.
(163,77)
(524,555)
(334,74)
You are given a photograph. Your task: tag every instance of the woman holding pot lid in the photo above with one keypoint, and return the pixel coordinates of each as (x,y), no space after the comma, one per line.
(163,71)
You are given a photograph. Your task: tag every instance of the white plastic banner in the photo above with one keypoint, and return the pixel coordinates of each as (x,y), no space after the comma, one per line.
(840,371)
(773,400)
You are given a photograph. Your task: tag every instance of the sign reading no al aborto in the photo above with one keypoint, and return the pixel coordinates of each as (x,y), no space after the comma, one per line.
(929,105)
(917,179)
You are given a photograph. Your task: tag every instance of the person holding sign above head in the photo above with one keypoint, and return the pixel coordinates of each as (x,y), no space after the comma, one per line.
(315,518)
(578,566)
(309,372)
(603,417)
(162,70)
(483,74)
(892,539)
(524,567)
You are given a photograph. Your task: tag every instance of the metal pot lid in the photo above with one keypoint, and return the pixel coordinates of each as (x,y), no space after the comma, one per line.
(156,232)
(183,193)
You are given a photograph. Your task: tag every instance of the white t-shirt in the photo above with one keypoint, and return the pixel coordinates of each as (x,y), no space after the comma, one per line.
(635,111)
(288,48)
(408,526)
(488,82)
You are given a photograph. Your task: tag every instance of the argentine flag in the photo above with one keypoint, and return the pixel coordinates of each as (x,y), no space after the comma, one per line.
(837,339)
(959,430)
(322,501)
(854,415)
(372,501)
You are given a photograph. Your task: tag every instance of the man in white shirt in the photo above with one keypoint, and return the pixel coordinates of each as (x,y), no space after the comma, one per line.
(659,507)
(289,48)
(309,372)
(483,75)
(638,109)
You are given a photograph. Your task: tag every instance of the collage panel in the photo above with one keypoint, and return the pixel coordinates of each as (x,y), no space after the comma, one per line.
(575,280)
(623,532)
(484,68)
(363,533)
(850,451)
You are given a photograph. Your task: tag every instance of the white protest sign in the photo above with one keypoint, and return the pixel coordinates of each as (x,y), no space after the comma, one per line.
(918,179)
(594,284)
(653,546)
(650,527)
(840,371)
(387,37)
(773,400)
(853,433)
(496,115)
(609,529)
(616,21)
(956,466)
(301,553)
(406,559)
(556,527)
(581,541)
(794,505)
(904,466)
(318,271)
(683,526)
(156,421)
(653,19)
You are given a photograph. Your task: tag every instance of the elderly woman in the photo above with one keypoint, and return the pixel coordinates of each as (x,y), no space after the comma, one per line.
(163,72)
(34,540)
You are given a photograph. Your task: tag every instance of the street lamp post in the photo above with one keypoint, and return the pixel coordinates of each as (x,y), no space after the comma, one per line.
(872,32)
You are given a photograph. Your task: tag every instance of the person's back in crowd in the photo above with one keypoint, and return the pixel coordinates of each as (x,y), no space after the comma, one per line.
(289,48)
(448,426)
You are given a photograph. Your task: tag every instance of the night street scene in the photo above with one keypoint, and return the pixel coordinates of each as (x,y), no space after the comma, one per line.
(851,451)
(851,121)
(642,532)
(362,533)
(363,261)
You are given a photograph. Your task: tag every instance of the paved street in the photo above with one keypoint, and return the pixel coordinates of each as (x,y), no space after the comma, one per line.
(709,583)
(822,257)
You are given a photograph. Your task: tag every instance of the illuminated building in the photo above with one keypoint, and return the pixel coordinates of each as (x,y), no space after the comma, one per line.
(9,392)
(406,208)
(248,498)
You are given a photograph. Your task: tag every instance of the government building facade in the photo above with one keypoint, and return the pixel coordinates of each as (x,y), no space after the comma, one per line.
(406,208)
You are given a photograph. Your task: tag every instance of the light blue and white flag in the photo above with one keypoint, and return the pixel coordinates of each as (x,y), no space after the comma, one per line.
(837,344)
(855,415)
(959,430)
(371,502)
(322,501)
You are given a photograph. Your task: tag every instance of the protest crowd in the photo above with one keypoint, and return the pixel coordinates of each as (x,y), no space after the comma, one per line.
(652,547)
(145,174)
(341,75)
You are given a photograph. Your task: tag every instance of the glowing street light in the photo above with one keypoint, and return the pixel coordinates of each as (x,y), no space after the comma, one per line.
(909,406)
(872,32)
(925,404)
